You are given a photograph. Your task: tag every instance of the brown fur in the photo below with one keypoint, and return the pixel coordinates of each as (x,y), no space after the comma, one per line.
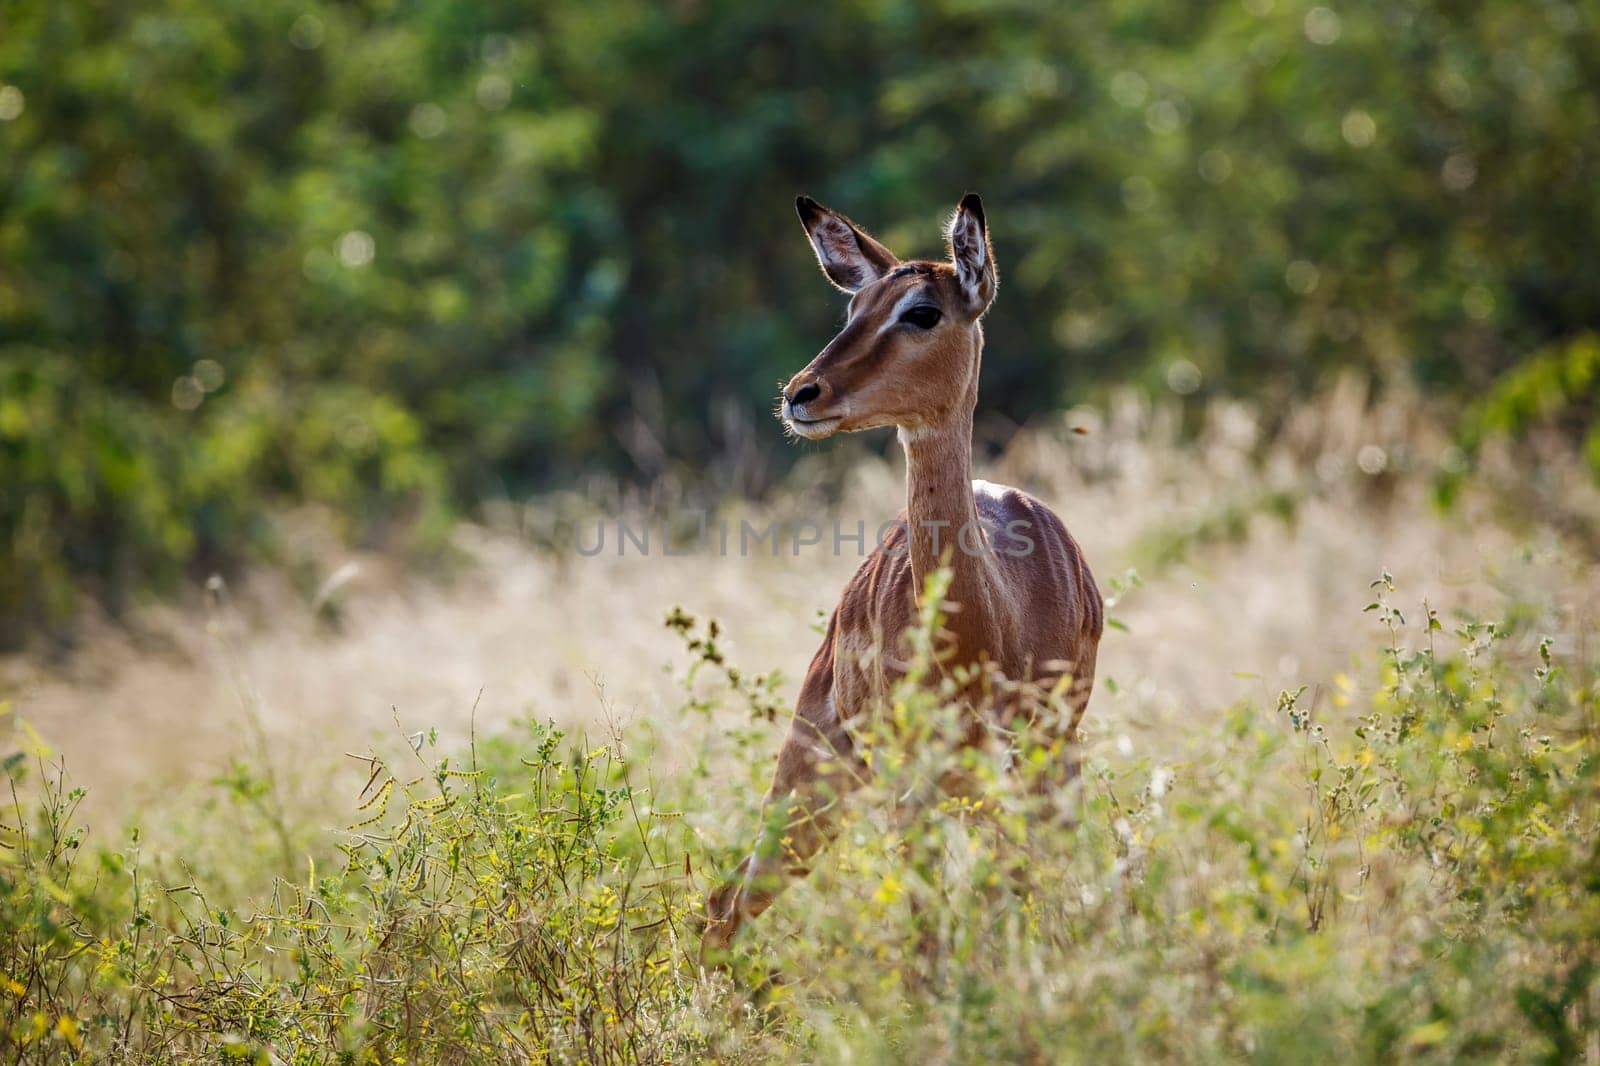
(1034,616)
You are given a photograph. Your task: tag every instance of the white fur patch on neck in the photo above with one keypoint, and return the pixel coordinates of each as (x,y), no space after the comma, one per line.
(912,434)
(980,487)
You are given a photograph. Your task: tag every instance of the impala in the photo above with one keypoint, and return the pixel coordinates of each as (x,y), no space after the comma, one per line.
(1020,599)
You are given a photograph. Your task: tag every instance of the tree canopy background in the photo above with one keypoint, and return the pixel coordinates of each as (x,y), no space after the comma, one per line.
(397,258)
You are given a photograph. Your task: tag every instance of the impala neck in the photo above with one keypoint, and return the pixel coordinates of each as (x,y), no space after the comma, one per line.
(939,500)
(939,504)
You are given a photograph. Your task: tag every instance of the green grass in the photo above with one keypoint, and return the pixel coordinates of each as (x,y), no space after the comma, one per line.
(1402,867)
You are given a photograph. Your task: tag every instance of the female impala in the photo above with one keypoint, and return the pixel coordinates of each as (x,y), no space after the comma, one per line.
(1020,600)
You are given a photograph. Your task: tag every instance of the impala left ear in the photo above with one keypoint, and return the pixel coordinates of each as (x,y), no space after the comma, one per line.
(973,255)
(848,256)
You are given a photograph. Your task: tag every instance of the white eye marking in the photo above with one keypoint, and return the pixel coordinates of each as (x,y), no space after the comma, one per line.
(908,301)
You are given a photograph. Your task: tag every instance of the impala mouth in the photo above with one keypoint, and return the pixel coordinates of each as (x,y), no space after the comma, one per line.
(812,428)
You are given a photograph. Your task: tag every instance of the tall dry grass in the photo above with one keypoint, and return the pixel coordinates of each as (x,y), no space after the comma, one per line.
(1251,536)
(1339,801)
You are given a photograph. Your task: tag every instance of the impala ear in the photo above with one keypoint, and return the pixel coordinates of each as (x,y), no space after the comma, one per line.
(850,258)
(972,254)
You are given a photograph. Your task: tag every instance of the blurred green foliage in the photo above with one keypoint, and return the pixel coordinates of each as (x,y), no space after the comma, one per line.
(397,257)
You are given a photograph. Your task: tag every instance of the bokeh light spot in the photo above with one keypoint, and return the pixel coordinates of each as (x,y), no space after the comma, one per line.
(1302,277)
(1215,166)
(306,32)
(1138,193)
(428,120)
(357,248)
(187,393)
(1163,116)
(494,92)
(209,374)
(1459,172)
(11,102)
(1322,25)
(1358,128)
(1183,377)
(1128,88)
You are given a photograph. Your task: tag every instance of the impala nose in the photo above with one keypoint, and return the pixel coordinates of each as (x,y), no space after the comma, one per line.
(804,394)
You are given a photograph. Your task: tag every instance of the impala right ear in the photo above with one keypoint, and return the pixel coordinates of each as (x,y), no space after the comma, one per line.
(972,254)
(850,258)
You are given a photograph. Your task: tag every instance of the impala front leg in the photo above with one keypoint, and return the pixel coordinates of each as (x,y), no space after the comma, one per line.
(817,768)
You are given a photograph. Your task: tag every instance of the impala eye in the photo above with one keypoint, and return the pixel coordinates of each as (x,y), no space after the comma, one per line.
(923,316)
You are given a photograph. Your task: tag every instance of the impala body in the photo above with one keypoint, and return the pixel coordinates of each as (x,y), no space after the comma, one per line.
(1021,600)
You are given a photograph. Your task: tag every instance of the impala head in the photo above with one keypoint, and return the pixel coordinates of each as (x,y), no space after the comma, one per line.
(908,353)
